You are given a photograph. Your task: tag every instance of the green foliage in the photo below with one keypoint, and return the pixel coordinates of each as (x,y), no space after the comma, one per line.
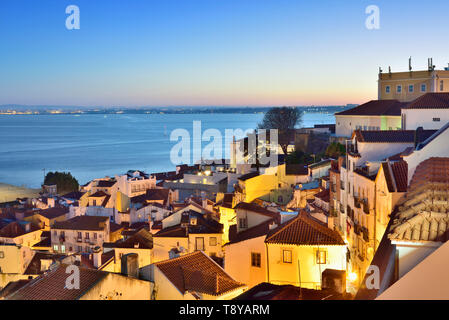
(285,120)
(64,181)
(335,150)
(300,157)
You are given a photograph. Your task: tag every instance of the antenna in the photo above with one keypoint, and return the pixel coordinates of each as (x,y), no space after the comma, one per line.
(410,64)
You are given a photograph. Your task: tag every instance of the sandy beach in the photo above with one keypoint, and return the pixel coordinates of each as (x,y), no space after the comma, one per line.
(10,193)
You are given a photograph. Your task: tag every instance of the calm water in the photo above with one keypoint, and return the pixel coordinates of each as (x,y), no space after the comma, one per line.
(92,146)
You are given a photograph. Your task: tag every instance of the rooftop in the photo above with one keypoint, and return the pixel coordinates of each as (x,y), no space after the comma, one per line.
(304,230)
(82,223)
(431,100)
(196,272)
(52,285)
(375,108)
(256,208)
(391,136)
(424,214)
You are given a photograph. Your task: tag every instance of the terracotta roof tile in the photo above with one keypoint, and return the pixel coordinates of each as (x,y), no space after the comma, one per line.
(431,100)
(391,136)
(52,285)
(375,108)
(196,272)
(400,172)
(304,230)
(256,208)
(423,215)
(82,223)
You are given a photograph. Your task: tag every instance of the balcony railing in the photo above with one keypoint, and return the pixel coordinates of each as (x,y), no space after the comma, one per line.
(365,234)
(357,203)
(365,207)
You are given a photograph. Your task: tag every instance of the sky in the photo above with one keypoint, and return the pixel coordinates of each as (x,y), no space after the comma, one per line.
(211,52)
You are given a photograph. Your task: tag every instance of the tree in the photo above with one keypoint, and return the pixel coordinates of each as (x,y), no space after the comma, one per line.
(335,150)
(64,181)
(285,120)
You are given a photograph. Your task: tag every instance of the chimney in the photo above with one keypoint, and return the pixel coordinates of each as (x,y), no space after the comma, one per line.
(418,135)
(130,265)
(97,256)
(272,225)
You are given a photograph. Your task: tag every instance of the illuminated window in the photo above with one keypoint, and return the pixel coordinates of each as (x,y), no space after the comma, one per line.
(2,254)
(55,247)
(287,256)
(321,257)
(256,259)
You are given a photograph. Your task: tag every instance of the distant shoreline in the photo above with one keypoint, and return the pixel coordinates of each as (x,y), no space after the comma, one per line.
(175,110)
(10,192)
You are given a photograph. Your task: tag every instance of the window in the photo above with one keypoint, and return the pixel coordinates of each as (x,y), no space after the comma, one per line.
(411,88)
(87,235)
(212,241)
(80,235)
(94,203)
(2,254)
(320,257)
(387,89)
(243,223)
(63,248)
(441,85)
(55,247)
(95,235)
(79,249)
(55,233)
(199,244)
(399,89)
(287,256)
(255,259)
(436,119)
(423,88)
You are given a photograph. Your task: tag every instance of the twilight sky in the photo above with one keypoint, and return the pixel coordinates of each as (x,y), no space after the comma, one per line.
(211,52)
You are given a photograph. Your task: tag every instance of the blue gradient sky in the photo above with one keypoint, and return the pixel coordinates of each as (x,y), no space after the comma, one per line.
(211,52)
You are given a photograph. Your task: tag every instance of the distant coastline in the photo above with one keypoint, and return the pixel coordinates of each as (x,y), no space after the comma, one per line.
(10,192)
(40,110)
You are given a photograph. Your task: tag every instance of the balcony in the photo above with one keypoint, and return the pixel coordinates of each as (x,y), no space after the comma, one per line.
(342,185)
(79,239)
(357,203)
(365,207)
(365,234)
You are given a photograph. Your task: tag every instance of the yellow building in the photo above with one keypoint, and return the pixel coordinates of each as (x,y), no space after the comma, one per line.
(409,85)
(299,250)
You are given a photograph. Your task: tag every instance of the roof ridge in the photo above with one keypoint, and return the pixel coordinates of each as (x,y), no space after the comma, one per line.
(282,227)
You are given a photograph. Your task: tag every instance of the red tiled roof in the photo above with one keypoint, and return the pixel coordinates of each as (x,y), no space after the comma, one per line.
(82,223)
(196,272)
(433,170)
(251,233)
(375,108)
(400,172)
(256,208)
(324,195)
(391,136)
(98,194)
(52,285)
(303,230)
(52,213)
(15,229)
(431,100)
